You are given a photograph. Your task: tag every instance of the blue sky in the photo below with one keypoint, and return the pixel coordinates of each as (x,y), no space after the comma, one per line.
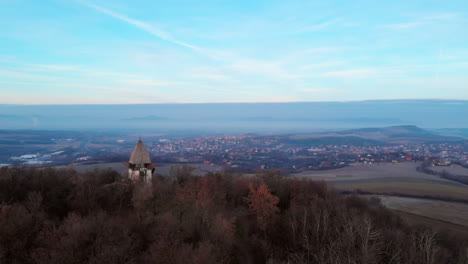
(110,52)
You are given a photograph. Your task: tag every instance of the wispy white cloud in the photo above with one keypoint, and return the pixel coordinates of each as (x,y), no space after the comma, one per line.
(321,90)
(77,78)
(322,65)
(56,67)
(233,64)
(316,55)
(358,73)
(319,26)
(440,16)
(221,54)
(406,25)
(209,74)
(218,55)
(16,67)
(423,20)
(323,50)
(151,83)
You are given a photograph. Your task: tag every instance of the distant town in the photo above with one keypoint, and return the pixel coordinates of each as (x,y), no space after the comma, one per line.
(243,153)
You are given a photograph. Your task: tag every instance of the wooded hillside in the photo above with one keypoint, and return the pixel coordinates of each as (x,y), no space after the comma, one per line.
(61,216)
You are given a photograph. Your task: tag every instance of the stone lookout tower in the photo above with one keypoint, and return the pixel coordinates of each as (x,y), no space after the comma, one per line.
(140,167)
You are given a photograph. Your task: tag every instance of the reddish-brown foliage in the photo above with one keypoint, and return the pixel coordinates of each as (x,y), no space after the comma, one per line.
(262,203)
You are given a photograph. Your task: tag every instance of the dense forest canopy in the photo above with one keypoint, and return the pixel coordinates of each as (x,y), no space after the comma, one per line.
(61,216)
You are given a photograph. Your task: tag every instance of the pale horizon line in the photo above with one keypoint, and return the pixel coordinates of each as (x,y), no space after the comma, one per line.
(240,102)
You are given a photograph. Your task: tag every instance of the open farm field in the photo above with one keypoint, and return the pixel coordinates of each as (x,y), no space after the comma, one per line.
(360,171)
(387,178)
(435,190)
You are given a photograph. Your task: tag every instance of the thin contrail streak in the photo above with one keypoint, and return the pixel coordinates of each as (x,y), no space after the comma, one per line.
(141,25)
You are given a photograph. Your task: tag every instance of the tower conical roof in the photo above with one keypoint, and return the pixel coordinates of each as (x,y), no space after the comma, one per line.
(140,154)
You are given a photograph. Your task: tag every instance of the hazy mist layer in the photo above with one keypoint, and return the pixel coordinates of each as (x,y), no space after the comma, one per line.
(238,117)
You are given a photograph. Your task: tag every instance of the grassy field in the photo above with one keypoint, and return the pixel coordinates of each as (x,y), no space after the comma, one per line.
(437,225)
(389,178)
(409,188)
(456,170)
(455,213)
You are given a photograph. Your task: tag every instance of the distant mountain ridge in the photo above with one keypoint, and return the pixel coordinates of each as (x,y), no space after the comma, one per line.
(394,131)
(377,135)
